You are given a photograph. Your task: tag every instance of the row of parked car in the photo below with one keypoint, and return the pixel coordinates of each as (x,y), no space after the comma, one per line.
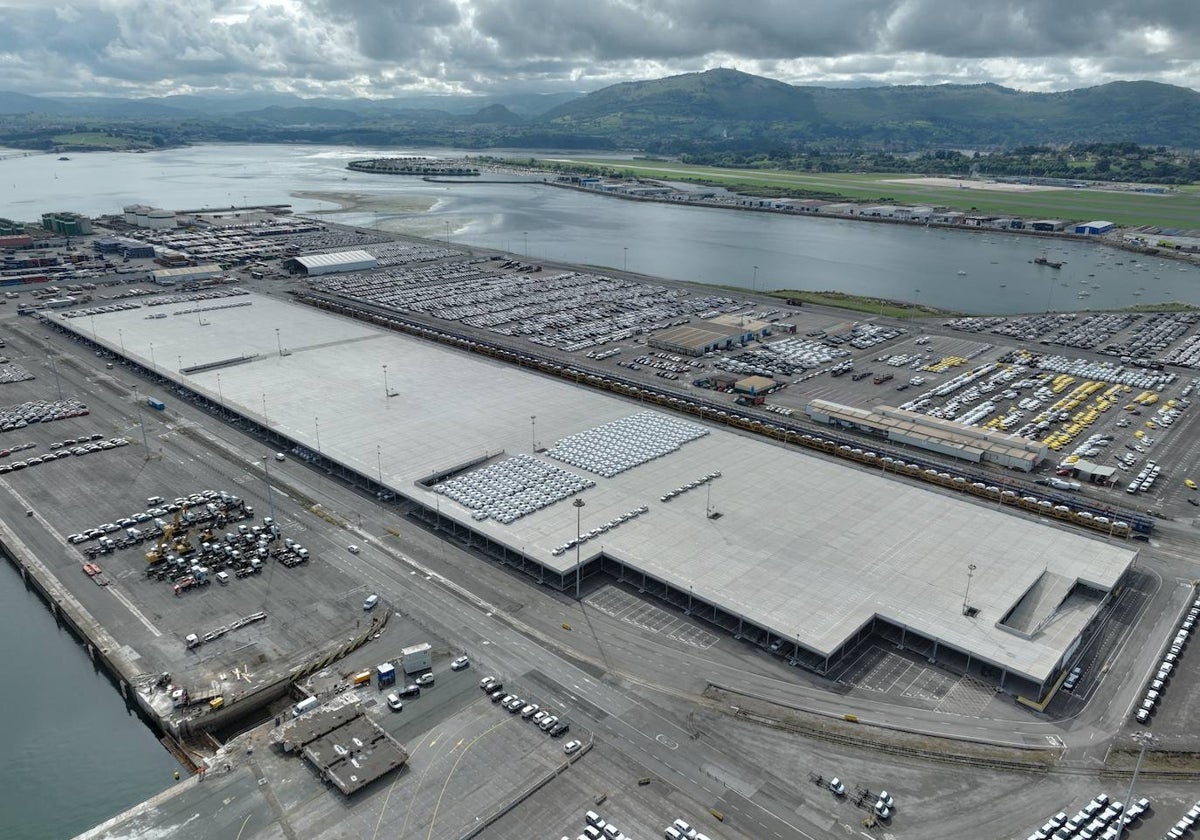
(94,444)
(1158,685)
(514,704)
(1184,824)
(39,411)
(1100,819)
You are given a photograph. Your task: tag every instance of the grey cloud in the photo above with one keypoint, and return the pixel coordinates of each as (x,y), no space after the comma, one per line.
(387,47)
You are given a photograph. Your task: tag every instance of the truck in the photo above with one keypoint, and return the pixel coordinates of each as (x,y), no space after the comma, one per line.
(156,404)
(883,377)
(416,658)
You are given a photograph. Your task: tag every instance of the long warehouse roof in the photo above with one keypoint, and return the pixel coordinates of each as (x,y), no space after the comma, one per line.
(807,547)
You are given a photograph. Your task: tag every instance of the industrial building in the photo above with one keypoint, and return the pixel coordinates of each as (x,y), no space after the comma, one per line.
(933,434)
(774,544)
(1095,228)
(1047,225)
(700,337)
(155,218)
(67,224)
(186,274)
(331,263)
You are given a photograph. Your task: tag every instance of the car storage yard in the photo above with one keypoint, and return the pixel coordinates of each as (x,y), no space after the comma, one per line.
(468,755)
(74,494)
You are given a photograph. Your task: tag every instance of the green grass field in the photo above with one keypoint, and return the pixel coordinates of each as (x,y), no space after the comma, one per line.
(1180,209)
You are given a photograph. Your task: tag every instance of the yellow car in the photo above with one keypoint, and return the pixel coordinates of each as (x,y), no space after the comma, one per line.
(1139,434)
(1191,485)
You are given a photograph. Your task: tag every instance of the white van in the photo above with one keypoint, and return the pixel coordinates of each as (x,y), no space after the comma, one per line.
(222,578)
(672,834)
(307,704)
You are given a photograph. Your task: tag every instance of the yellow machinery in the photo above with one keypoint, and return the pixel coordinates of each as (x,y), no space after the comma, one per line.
(179,544)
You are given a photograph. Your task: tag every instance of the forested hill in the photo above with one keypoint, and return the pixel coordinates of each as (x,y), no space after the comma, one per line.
(733,109)
(717,111)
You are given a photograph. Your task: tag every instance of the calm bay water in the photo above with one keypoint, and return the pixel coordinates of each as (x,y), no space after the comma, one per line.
(73,755)
(967,272)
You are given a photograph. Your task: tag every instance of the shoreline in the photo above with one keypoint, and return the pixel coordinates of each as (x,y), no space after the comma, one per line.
(1114,240)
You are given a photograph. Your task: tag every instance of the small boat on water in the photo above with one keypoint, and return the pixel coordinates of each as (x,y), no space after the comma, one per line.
(1046,261)
(1085,294)
(962,273)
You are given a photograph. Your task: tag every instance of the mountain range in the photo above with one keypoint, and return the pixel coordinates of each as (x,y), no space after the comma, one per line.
(713,110)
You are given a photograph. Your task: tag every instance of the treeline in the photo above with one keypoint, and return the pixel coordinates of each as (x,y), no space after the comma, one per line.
(1118,162)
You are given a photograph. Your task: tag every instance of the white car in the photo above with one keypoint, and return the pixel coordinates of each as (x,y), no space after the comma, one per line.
(837,786)
(572,747)
(460,663)
(394,702)
(353,549)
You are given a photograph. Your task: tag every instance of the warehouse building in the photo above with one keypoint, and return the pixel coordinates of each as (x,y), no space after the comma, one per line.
(1047,225)
(313,265)
(700,337)
(768,567)
(933,434)
(186,274)
(1095,228)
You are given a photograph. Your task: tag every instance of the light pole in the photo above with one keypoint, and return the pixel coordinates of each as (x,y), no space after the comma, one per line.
(57,381)
(526,235)
(121,338)
(447,223)
(578,503)
(386,391)
(278,343)
(379,464)
(756,278)
(917,299)
(220,393)
(317,428)
(1144,739)
(137,407)
(153,363)
(267,480)
(266,420)
(970,571)
(624,259)
(533,432)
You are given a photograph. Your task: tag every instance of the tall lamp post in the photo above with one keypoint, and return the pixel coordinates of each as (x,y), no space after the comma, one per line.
(533,431)
(278,343)
(1143,739)
(267,479)
(578,503)
(624,259)
(970,571)
(756,278)
(387,392)
(526,235)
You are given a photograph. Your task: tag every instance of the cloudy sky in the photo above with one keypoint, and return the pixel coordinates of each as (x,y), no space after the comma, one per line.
(383,48)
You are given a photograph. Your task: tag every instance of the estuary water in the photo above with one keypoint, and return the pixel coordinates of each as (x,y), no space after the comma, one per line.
(72,754)
(975,272)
